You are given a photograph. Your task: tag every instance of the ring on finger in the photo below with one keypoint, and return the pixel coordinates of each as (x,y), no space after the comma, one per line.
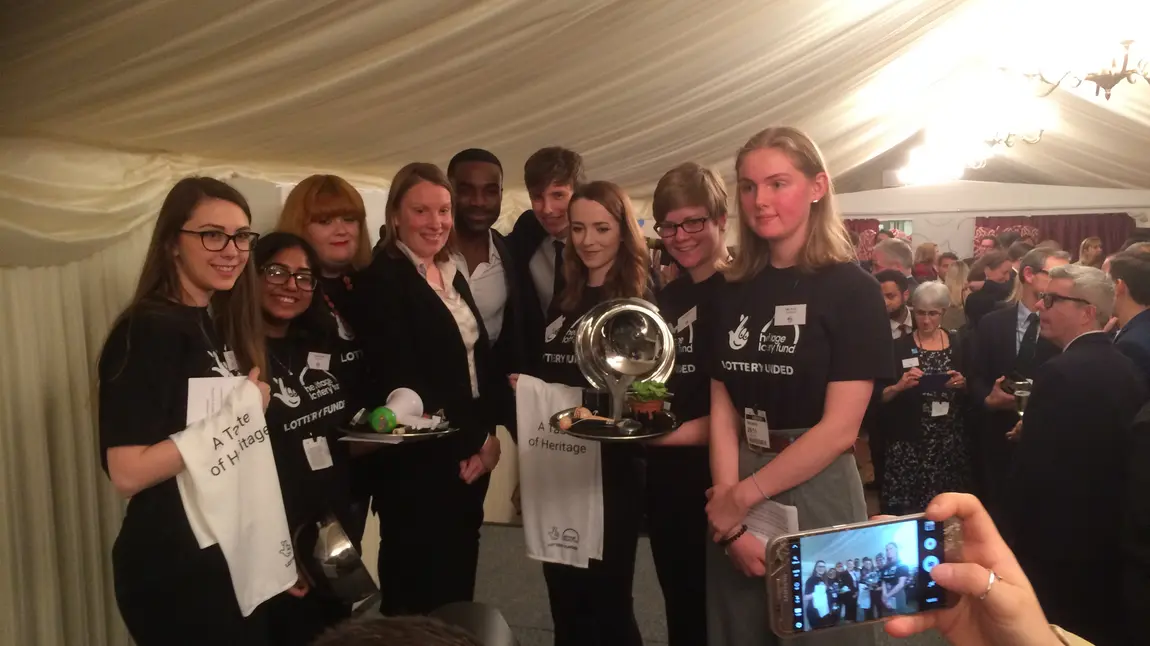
(989,584)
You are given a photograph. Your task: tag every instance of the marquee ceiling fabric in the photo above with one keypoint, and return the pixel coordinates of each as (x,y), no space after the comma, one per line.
(363,86)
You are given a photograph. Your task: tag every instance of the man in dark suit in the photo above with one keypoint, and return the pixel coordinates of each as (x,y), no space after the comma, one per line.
(1069,495)
(1006,343)
(537,240)
(1130,271)
(477,179)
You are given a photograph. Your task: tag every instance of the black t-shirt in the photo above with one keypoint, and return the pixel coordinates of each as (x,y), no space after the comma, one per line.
(144,370)
(783,369)
(686,306)
(893,572)
(308,405)
(558,365)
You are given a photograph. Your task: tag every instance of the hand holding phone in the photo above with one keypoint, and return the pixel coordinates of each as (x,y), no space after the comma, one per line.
(1009,613)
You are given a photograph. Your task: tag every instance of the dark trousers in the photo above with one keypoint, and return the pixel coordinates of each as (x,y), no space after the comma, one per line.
(429,524)
(298,621)
(677,483)
(1078,597)
(851,605)
(188,601)
(593,606)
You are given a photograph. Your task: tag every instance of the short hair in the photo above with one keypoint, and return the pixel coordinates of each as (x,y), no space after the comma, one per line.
(1050,244)
(1018,249)
(1132,267)
(991,259)
(884,232)
(689,185)
(896,250)
(1138,236)
(988,237)
(893,276)
(1036,259)
(472,155)
(396,631)
(1090,284)
(930,294)
(1007,238)
(948,254)
(553,165)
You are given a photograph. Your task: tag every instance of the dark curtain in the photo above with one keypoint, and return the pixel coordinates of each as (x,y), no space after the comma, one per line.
(1071,230)
(1068,230)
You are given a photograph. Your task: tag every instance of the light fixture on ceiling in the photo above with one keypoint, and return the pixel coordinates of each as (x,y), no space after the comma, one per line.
(1132,67)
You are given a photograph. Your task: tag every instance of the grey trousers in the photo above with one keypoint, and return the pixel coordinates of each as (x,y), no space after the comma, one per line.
(737,612)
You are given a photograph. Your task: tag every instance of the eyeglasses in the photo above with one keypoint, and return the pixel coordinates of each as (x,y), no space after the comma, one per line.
(218,240)
(278,275)
(930,313)
(1050,298)
(690,225)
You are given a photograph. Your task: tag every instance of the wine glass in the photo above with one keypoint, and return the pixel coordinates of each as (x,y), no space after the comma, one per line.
(1022,395)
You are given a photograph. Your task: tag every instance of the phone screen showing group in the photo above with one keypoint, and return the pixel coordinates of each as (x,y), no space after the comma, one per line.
(865,573)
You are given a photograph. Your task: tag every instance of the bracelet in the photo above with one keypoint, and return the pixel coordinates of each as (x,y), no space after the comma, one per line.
(756,481)
(733,537)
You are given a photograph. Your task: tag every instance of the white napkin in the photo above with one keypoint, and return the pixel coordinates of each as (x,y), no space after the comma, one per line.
(230,487)
(560,478)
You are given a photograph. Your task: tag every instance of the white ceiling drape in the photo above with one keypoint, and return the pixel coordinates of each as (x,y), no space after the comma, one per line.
(109,101)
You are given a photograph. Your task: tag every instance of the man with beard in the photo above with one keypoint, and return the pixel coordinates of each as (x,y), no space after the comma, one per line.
(895,293)
(477,178)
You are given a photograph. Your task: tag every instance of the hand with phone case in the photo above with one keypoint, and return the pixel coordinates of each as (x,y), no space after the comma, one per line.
(1009,612)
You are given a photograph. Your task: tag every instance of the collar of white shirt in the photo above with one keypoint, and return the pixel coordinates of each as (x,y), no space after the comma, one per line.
(446,269)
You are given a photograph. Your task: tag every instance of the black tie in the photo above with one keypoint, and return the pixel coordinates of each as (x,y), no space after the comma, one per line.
(1028,349)
(559,283)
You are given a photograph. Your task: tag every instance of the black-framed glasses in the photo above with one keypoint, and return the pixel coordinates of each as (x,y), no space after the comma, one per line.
(690,225)
(218,240)
(278,275)
(1050,298)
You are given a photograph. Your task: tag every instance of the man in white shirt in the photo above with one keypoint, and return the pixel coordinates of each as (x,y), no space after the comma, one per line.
(896,294)
(476,176)
(551,176)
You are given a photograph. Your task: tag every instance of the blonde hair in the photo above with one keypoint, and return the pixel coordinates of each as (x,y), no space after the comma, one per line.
(627,276)
(1092,241)
(926,254)
(956,280)
(827,240)
(407,178)
(321,197)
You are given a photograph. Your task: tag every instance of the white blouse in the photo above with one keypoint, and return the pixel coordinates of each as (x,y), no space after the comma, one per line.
(453,300)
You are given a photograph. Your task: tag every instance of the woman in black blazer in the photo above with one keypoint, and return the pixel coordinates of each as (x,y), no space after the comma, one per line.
(922,416)
(420,329)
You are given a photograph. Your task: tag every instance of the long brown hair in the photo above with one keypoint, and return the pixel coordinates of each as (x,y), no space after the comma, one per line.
(236,312)
(627,276)
(326,196)
(827,240)
(407,178)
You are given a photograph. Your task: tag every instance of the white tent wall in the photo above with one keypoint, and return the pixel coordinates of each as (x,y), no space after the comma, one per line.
(945,214)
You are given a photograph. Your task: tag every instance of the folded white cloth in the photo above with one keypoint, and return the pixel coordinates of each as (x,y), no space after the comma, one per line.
(560,478)
(230,487)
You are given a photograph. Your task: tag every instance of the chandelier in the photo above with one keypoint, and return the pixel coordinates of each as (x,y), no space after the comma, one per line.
(1130,69)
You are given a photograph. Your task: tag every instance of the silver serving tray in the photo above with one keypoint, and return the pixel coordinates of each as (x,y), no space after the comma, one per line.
(598,431)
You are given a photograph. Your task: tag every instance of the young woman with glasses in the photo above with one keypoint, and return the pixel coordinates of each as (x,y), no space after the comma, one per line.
(195,313)
(309,405)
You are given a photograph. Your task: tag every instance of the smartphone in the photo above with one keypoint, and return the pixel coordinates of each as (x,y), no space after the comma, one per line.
(891,557)
(933,382)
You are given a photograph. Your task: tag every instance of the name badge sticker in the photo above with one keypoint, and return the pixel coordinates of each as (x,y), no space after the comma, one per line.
(755,424)
(939,409)
(791,315)
(317,452)
(687,319)
(230,360)
(910,363)
(319,361)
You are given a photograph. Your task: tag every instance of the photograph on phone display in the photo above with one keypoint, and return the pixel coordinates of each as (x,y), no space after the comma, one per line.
(865,573)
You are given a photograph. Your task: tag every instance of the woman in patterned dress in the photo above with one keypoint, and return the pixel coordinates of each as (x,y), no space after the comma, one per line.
(922,415)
